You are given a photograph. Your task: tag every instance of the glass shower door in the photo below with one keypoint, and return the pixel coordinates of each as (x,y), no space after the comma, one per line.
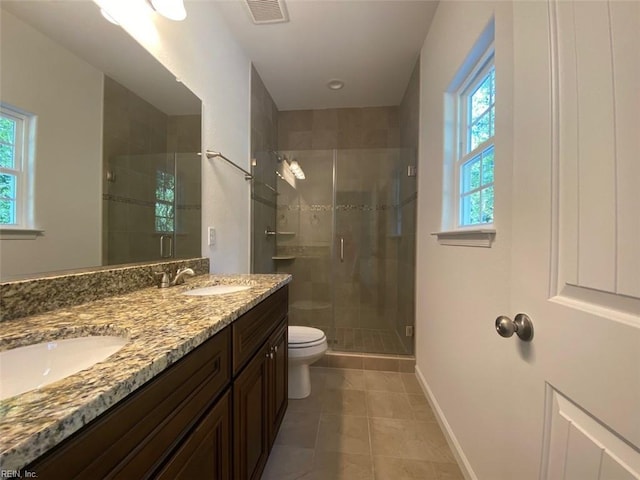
(347,235)
(188,206)
(303,228)
(367,267)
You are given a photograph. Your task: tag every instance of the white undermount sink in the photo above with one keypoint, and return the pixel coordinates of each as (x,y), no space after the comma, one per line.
(217,290)
(33,366)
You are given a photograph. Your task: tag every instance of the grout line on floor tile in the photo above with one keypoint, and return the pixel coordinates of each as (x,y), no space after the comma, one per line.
(373,465)
(315,447)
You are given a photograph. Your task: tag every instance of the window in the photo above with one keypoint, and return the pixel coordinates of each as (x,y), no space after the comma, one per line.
(475,159)
(469,107)
(16,134)
(165,194)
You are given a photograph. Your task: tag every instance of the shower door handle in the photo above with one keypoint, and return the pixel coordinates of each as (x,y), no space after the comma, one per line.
(162,248)
(342,249)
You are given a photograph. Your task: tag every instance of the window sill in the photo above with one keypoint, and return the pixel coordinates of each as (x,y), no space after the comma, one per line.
(20,233)
(476,237)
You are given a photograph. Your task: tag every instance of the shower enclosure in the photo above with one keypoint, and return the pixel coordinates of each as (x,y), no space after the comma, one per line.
(152,207)
(347,234)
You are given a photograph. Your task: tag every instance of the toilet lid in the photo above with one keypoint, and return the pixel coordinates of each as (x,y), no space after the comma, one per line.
(300,337)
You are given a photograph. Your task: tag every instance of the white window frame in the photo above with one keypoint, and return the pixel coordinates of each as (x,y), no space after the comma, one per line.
(463,154)
(23,171)
(481,58)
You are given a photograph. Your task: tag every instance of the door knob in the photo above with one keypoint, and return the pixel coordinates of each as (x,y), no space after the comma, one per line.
(521,325)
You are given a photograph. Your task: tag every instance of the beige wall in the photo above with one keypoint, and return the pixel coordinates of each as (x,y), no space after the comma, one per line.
(65,93)
(461,290)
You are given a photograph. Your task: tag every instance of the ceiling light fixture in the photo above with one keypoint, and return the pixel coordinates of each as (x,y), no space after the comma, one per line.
(335,84)
(108,17)
(296,170)
(171,9)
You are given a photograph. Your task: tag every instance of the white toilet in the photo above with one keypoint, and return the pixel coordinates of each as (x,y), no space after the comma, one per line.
(306,345)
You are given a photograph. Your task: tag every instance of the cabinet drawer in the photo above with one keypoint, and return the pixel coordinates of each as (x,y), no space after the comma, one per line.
(253,328)
(132,438)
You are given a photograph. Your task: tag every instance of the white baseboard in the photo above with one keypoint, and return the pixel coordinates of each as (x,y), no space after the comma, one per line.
(456,449)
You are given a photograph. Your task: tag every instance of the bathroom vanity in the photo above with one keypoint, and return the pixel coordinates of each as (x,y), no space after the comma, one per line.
(211,407)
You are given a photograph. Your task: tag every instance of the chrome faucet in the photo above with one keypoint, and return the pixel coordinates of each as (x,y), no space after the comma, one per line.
(165,278)
(180,274)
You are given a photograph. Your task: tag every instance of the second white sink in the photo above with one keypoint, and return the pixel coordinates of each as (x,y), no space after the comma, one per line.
(33,366)
(217,290)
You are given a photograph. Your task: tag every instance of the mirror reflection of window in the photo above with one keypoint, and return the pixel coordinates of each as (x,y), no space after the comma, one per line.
(16,130)
(165,195)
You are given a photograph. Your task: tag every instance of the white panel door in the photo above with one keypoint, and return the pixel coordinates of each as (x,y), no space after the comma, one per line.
(576,237)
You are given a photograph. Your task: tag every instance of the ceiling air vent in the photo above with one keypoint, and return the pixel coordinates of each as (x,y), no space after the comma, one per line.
(267,11)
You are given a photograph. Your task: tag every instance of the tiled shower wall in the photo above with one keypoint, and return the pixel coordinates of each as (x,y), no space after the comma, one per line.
(264,139)
(375,205)
(184,133)
(136,138)
(341,128)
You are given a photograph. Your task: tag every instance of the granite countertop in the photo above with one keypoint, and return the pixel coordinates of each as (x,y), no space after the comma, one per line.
(162,325)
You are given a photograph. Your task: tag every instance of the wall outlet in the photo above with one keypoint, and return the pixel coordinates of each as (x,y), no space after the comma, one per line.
(212,236)
(408,330)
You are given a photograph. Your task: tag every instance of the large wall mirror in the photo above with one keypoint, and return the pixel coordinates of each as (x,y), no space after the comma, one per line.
(116,171)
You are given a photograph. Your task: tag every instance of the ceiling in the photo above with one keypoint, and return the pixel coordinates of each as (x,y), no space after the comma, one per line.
(371,45)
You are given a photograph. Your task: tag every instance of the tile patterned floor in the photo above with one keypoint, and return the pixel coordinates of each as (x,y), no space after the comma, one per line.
(361,425)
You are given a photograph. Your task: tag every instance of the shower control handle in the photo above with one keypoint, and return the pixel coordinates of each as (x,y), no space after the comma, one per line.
(342,249)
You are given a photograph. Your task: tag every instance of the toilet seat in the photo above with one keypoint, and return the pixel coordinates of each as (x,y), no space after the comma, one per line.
(305,337)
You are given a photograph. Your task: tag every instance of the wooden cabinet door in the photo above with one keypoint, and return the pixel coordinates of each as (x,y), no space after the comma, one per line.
(278,379)
(205,453)
(250,417)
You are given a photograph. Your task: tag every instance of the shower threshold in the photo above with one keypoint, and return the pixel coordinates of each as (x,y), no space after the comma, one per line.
(368,361)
